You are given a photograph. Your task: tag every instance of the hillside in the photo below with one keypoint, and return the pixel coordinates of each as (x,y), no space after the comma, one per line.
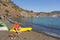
(9,9)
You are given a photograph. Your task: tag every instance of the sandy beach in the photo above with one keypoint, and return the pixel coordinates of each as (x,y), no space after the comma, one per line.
(26,36)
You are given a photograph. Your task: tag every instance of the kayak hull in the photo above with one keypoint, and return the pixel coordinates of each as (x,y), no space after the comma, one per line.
(22,29)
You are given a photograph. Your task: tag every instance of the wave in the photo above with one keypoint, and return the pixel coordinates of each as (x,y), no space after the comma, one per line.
(53,34)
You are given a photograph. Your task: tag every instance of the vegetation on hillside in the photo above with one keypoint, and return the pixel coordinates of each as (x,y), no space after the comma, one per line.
(0,1)
(16,7)
(7,12)
(58,12)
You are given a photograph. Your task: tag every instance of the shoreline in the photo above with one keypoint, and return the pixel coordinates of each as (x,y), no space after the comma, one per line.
(48,35)
(32,35)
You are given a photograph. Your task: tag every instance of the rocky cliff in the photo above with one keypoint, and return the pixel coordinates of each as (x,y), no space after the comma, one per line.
(9,9)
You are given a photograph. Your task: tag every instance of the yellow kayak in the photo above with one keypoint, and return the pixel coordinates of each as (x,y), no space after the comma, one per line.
(22,29)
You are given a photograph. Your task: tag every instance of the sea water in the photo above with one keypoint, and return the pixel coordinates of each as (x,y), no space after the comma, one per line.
(48,25)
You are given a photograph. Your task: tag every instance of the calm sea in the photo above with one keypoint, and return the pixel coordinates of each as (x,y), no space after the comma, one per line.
(48,25)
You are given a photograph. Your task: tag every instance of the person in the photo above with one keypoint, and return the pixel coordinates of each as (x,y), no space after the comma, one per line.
(16,27)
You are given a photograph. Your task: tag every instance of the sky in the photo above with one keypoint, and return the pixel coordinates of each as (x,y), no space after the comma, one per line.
(39,5)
